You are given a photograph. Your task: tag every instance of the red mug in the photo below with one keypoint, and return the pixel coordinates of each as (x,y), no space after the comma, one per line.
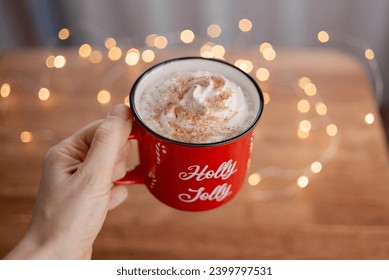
(192,176)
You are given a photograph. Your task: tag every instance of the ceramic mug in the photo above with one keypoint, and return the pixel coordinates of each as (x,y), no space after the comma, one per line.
(191,176)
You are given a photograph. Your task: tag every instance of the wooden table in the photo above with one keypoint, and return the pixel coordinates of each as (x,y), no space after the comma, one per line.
(343,213)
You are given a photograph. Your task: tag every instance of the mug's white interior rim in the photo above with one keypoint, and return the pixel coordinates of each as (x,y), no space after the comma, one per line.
(193,64)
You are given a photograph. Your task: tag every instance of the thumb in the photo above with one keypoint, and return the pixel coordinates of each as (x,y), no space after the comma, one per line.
(107,141)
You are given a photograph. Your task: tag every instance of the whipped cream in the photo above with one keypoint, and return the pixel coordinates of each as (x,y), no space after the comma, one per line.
(195,107)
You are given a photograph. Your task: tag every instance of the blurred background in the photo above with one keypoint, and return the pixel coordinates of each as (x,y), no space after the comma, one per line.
(353,25)
(317,185)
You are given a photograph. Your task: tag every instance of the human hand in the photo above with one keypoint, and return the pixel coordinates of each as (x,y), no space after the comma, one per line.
(76,190)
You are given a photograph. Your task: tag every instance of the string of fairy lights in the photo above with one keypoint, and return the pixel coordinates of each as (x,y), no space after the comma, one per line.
(311,109)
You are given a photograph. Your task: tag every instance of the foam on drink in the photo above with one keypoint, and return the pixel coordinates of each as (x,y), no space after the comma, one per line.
(195,107)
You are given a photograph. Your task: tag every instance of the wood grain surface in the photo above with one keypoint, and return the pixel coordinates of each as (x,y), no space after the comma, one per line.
(343,213)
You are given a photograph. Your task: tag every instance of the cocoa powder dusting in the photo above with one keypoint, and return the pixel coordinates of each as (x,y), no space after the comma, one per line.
(196,126)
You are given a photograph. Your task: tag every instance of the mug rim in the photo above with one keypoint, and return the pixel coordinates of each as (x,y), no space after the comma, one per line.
(211,144)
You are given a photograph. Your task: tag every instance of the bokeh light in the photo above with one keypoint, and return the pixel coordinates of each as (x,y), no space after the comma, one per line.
(26,136)
(254,179)
(110,43)
(126,100)
(269,54)
(114,53)
(245,25)
(44,94)
(369,54)
(103,97)
(316,167)
(303,81)
(302,134)
(303,106)
(50,61)
(323,36)
(96,56)
(59,61)
(321,108)
(63,34)
(331,130)
(5,90)
(85,50)
(160,42)
(302,181)
(310,89)
(262,74)
(218,51)
(148,56)
(369,118)
(266,98)
(214,30)
(264,46)
(245,65)
(150,40)
(132,57)
(305,126)
(187,36)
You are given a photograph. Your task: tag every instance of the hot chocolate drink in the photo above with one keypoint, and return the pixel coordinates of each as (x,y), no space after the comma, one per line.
(196,107)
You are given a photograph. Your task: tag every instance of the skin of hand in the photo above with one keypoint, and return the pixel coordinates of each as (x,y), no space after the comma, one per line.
(76,190)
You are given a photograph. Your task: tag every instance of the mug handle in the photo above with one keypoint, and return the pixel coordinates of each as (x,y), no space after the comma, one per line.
(133,176)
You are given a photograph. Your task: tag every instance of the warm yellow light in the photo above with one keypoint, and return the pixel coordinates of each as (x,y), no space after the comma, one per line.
(303,106)
(218,51)
(26,136)
(262,74)
(302,181)
(103,97)
(148,56)
(110,43)
(332,130)
(44,94)
(127,100)
(316,167)
(269,54)
(266,98)
(187,36)
(114,53)
(369,54)
(305,126)
(302,134)
(264,46)
(85,50)
(59,61)
(214,31)
(206,50)
(323,36)
(63,34)
(321,108)
(5,90)
(310,89)
(245,25)
(160,42)
(207,54)
(245,65)
(303,81)
(96,56)
(254,179)
(369,118)
(50,61)
(150,40)
(132,57)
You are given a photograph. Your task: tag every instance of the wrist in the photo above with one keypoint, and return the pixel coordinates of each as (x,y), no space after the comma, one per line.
(34,247)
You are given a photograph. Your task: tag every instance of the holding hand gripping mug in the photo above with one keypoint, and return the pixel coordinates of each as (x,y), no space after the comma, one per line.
(194,120)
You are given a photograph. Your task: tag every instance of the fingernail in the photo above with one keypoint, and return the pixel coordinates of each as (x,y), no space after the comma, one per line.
(122,111)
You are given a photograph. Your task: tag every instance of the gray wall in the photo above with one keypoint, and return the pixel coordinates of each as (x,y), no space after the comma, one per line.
(285,23)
